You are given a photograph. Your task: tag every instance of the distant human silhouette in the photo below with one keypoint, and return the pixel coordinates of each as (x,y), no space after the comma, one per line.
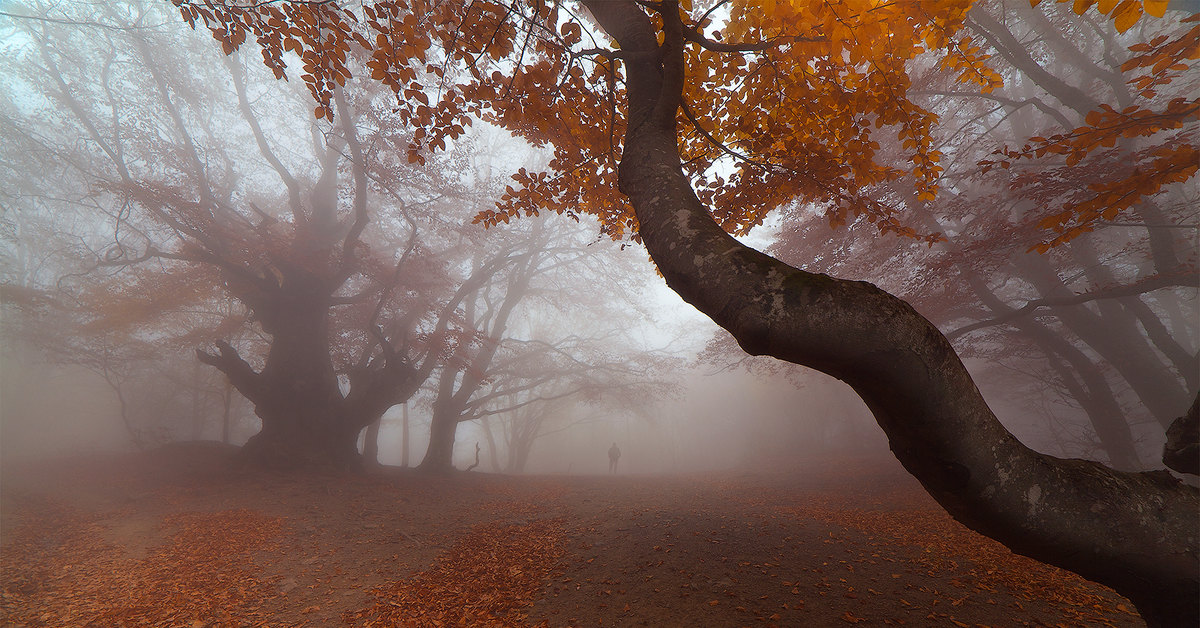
(614,454)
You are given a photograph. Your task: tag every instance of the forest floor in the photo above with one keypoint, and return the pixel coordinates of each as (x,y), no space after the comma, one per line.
(176,538)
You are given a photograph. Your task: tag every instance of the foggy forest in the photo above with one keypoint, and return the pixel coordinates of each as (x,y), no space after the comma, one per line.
(604,312)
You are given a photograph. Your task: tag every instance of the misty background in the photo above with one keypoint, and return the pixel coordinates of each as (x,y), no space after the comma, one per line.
(98,351)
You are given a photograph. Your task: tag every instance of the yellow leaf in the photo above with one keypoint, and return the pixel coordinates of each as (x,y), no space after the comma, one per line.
(686,5)
(1157,8)
(1128,18)
(1104,6)
(1081,6)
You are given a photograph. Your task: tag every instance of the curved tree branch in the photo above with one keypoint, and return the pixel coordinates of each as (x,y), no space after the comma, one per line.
(358,168)
(1135,532)
(240,374)
(260,139)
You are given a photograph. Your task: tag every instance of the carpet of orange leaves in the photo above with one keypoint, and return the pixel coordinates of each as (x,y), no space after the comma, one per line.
(61,571)
(113,546)
(976,565)
(489,577)
(989,565)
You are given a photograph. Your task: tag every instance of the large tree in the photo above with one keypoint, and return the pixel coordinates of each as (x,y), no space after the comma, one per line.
(793,92)
(184,192)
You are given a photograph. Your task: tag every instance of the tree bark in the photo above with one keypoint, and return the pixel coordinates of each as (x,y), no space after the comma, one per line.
(439,456)
(306,420)
(300,401)
(1182,449)
(370,454)
(1135,532)
(491,441)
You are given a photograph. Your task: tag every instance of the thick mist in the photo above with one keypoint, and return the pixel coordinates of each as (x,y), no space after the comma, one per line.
(383,343)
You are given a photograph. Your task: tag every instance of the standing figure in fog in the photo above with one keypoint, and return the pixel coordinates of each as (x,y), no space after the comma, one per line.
(614,454)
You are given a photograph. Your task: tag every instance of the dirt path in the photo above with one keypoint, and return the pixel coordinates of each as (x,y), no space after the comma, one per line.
(175,539)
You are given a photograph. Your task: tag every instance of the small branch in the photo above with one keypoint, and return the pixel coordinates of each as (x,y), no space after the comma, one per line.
(239,372)
(1186,279)
(359,171)
(687,111)
(51,20)
(695,36)
(603,52)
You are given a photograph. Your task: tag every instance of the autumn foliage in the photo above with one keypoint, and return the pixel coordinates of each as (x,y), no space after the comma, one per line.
(783,101)
(1173,160)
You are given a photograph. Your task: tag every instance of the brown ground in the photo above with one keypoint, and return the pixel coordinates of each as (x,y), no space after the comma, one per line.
(175,539)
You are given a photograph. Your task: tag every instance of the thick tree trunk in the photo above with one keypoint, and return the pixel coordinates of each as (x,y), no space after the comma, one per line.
(306,420)
(370,453)
(439,456)
(300,401)
(297,396)
(455,392)
(491,441)
(1135,532)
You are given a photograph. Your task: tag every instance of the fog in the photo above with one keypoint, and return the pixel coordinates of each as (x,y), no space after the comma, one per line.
(719,418)
(114,278)
(370,313)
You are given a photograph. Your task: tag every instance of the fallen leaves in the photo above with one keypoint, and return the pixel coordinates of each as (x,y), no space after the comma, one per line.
(491,575)
(204,574)
(946,549)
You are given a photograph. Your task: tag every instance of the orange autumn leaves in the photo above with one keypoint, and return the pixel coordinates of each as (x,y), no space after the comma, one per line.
(784,101)
(205,573)
(1145,172)
(490,576)
(809,112)
(1123,13)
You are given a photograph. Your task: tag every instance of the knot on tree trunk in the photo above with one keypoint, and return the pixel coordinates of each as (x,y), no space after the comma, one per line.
(1182,450)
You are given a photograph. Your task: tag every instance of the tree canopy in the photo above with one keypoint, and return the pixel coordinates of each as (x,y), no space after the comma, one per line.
(781,100)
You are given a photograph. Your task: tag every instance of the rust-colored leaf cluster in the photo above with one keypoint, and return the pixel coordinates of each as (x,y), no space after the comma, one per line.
(787,101)
(490,576)
(1165,56)
(1123,13)
(60,570)
(1144,173)
(948,549)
